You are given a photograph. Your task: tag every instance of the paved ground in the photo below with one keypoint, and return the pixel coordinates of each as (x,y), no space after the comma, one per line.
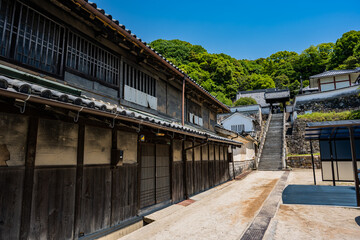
(224,212)
(227,211)
(314,222)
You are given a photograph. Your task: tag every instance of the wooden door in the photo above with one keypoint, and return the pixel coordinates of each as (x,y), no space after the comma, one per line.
(155,174)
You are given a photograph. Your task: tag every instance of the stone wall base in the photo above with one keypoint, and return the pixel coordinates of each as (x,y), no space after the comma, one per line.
(303,162)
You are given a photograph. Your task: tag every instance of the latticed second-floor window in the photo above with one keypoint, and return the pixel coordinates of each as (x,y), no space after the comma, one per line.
(89,59)
(30,38)
(137,79)
(238,128)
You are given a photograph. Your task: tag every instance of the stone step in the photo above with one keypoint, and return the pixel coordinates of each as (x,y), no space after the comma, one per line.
(272,152)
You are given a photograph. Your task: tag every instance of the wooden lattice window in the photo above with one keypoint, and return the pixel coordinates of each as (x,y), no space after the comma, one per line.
(139,80)
(92,60)
(30,38)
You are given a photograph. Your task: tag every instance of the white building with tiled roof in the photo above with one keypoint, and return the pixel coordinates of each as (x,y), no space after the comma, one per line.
(335,79)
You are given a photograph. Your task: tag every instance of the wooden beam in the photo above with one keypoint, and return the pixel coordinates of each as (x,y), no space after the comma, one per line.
(29,178)
(193,167)
(79,179)
(171,156)
(138,173)
(183,104)
(349,80)
(208,178)
(184,169)
(355,167)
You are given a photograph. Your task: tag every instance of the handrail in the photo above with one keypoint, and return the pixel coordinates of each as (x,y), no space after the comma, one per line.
(262,141)
(283,157)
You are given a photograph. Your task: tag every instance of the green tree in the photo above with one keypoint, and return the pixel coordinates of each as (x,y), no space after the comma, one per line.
(344,48)
(245,101)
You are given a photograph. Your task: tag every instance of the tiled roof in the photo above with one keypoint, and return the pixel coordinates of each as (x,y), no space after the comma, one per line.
(33,92)
(134,37)
(335,73)
(278,94)
(259,90)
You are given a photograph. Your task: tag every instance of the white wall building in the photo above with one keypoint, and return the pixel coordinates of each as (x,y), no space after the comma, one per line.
(239,123)
(335,79)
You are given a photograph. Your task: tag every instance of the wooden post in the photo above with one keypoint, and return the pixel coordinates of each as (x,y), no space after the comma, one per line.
(183,103)
(79,179)
(312,160)
(121,79)
(332,161)
(138,173)
(201,167)
(208,177)
(215,179)
(171,156)
(193,166)
(114,136)
(184,169)
(355,167)
(155,171)
(29,178)
(349,80)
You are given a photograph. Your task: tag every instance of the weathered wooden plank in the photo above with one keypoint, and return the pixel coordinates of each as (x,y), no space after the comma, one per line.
(29,177)
(96,199)
(11,185)
(177,183)
(189,177)
(52,213)
(79,179)
(197,177)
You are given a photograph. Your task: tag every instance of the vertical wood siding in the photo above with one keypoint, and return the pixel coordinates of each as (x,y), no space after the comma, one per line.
(11,185)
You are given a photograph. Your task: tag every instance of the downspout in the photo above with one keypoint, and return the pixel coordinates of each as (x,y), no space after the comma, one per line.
(232,151)
(183,103)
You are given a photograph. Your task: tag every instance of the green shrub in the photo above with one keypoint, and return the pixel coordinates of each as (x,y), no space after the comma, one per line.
(330,116)
(245,101)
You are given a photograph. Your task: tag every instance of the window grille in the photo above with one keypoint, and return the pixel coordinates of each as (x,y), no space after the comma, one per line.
(137,79)
(30,38)
(238,128)
(89,59)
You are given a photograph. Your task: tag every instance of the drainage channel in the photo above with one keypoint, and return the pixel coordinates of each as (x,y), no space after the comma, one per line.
(261,222)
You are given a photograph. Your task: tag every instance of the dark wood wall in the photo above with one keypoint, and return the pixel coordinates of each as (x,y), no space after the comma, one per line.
(11,185)
(67,202)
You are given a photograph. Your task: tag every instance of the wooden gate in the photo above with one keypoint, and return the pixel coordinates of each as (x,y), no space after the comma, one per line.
(155,174)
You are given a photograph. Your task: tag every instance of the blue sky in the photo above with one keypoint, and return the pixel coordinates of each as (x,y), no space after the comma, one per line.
(241,29)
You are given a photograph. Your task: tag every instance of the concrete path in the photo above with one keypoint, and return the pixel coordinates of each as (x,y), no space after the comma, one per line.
(224,212)
(260,224)
(298,222)
(232,209)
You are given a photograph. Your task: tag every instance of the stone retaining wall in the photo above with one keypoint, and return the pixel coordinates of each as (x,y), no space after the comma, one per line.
(303,162)
(338,104)
(240,167)
(296,143)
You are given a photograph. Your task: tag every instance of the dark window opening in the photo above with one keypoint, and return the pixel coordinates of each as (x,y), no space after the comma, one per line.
(89,59)
(30,38)
(139,80)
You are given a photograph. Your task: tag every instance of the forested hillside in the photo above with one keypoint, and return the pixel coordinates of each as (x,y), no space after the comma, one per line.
(223,75)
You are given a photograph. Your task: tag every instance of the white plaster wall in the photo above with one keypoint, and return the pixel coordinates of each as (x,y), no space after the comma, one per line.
(246,152)
(237,119)
(141,98)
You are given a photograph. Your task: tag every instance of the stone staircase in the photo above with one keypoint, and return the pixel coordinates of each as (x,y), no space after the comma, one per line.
(271,156)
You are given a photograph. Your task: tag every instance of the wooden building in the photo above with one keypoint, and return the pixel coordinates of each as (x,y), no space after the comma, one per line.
(335,79)
(95,126)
